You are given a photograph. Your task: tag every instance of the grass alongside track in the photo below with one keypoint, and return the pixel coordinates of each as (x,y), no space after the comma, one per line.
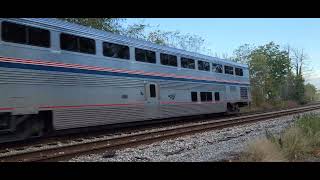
(301,142)
(271,106)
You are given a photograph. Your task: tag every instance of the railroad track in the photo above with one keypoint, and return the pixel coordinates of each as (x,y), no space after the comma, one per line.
(111,130)
(109,144)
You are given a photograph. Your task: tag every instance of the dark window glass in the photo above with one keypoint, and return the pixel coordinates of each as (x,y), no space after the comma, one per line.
(217,68)
(22,34)
(187,63)
(87,45)
(216,96)
(203,66)
(194,97)
(169,60)
(77,44)
(209,96)
(15,33)
(239,71)
(228,70)
(145,55)
(152,90)
(203,96)
(38,37)
(116,50)
(206,96)
(69,42)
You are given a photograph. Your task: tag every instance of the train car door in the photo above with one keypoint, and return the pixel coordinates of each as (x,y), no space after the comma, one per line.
(152,93)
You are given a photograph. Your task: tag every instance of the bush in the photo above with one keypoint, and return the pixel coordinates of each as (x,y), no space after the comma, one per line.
(263,150)
(284,104)
(297,142)
(294,143)
(290,104)
(266,106)
(310,125)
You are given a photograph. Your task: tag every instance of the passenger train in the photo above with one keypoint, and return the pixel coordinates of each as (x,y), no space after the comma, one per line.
(56,75)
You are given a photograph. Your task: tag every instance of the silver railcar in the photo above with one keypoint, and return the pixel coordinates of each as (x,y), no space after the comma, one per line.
(56,75)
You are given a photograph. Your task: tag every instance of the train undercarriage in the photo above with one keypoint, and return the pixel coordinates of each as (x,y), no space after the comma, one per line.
(20,127)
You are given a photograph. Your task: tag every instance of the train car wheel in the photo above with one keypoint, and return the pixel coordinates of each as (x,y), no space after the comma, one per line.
(31,127)
(233,108)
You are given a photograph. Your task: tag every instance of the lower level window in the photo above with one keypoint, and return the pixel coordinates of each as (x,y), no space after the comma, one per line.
(216,96)
(194,96)
(206,96)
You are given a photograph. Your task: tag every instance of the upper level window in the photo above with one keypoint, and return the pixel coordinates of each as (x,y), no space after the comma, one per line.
(203,66)
(17,33)
(239,71)
(169,60)
(116,50)
(187,63)
(206,96)
(145,55)
(74,43)
(217,68)
(228,70)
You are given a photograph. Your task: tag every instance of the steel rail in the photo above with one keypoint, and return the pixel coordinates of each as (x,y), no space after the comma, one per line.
(68,151)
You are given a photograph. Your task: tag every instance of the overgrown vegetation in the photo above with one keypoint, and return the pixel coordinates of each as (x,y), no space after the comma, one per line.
(276,74)
(297,143)
(263,150)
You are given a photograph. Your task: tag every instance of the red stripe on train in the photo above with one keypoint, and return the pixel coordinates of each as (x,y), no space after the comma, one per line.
(58,64)
(112,105)
(90,105)
(6,109)
(119,105)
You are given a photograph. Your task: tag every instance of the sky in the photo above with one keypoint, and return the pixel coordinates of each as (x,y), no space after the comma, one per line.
(224,35)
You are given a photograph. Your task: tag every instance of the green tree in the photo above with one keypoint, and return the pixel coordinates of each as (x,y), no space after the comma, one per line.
(272,75)
(135,31)
(299,89)
(288,89)
(317,96)
(105,24)
(242,53)
(278,65)
(160,37)
(258,71)
(310,92)
(188,42)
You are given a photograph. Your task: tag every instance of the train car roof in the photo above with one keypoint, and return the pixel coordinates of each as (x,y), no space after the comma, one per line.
(54,23)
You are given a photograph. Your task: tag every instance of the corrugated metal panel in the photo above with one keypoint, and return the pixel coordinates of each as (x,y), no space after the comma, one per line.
(75,118)
(18,76)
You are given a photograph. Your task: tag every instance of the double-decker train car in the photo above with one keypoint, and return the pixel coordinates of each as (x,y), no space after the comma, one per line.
(56,75)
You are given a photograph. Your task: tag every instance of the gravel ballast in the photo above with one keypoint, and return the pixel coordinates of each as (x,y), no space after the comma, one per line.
(216,145)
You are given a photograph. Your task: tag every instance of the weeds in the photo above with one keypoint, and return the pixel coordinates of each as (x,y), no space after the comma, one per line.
(263,150)
(296,143)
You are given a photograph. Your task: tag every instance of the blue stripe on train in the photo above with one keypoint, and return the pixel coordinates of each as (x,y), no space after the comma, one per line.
(84,71)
